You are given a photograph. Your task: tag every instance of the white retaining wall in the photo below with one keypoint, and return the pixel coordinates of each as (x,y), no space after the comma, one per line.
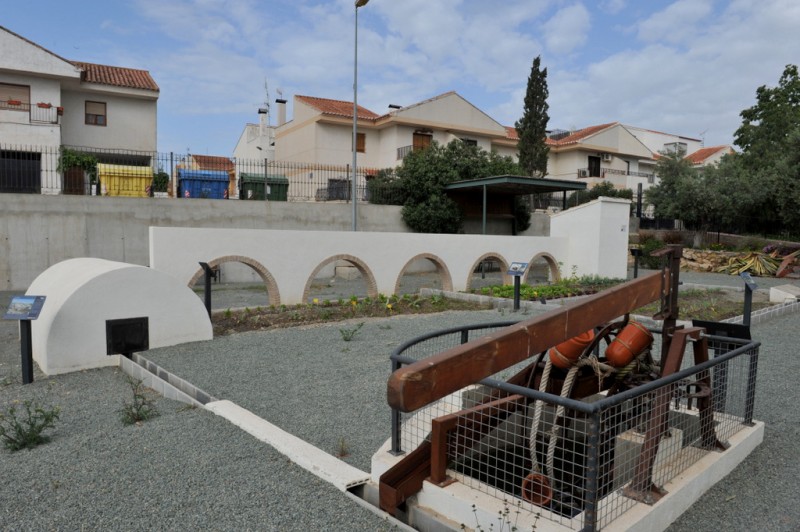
(592,239)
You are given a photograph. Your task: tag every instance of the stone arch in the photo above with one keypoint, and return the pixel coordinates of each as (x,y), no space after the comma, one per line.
(441,269)
(551,263)
(490,255)
(361,266)
(266,276)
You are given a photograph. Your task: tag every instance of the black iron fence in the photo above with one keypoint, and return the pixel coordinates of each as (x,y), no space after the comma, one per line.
(76,170)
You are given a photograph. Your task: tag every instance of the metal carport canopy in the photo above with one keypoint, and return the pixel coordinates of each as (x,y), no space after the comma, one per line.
(514,185)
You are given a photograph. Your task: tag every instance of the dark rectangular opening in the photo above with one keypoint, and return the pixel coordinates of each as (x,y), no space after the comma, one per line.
(127,335)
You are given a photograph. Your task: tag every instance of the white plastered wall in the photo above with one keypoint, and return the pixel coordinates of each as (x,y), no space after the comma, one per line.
(591,239)
(81,294)
(598,237)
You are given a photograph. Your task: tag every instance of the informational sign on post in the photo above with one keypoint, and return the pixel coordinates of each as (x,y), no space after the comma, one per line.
(25,309)
(517,270)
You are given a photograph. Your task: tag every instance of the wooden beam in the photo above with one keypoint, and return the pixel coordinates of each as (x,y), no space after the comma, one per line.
(418,384)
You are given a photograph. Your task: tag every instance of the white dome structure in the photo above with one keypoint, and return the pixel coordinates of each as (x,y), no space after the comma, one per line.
(82,294)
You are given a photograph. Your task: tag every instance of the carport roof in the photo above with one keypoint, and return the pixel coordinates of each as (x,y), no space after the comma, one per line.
(517,185)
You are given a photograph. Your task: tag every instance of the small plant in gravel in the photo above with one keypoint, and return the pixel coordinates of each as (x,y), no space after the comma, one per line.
(342,448)
(503,519)
(23,429)
(141,409)
(350,333)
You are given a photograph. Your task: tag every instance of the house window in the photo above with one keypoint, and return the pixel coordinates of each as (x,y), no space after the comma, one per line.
(469,142)
(421,141)
(15,97)
(361,142)
(594,166)
(96,113)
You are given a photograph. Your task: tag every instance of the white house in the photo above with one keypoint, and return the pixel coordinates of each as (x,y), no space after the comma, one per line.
(47,102)
(321,133)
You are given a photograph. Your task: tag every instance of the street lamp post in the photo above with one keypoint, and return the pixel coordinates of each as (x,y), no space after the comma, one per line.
(358,3)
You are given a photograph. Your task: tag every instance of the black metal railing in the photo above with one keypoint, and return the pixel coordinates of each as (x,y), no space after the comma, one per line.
(130,173)
(39,113)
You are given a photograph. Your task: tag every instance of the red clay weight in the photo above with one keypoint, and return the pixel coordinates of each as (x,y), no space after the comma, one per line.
(566,353)
(629,343)
(536,489)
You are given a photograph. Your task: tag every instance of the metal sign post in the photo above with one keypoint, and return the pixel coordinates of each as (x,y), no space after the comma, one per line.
(208,273)
(749,286)
(25,309)
(517,270)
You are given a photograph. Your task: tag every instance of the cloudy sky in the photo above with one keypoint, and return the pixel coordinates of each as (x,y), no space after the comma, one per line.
(686,67)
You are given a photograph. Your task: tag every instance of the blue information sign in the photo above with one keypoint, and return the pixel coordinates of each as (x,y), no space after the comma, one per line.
(517,268)
(24,308)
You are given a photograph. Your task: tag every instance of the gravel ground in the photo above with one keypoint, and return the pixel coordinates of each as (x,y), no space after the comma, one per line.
(188,469)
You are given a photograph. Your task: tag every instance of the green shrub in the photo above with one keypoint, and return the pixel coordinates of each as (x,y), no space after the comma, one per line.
(141,409)
(24,430)
(648,243)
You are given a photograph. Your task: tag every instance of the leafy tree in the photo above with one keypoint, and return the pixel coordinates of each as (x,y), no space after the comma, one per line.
(601,189)
(684,193)
(532,127)
(767,126)
(425,173)
(757,190)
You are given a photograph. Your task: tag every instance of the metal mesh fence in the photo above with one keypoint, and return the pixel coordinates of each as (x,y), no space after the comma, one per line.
(582,463)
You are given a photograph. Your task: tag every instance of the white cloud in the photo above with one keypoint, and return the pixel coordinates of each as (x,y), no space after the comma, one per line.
(700,85)
(612,6)
(677,23)
(567,30)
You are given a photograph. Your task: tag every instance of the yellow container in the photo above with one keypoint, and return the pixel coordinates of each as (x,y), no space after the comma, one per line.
(121,180)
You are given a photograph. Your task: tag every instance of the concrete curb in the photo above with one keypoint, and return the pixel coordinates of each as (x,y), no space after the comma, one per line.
(312,459)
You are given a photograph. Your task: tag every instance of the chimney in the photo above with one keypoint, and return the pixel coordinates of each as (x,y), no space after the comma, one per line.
(281,111)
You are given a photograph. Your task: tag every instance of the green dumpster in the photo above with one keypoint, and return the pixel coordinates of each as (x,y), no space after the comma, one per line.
(253,187)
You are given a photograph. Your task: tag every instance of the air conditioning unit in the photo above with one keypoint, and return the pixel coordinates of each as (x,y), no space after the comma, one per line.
(583,173)
(606,157)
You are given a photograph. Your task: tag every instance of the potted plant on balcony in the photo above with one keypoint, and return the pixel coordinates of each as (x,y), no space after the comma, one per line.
(14,102)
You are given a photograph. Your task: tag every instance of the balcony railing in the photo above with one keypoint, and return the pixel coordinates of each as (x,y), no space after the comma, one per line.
(402,152)
(585,172)
(624,172)
(39,113)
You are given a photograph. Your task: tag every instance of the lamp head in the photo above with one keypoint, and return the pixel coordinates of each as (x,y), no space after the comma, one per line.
(361,3)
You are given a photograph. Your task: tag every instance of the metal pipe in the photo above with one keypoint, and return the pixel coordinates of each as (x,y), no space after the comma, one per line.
(353,193)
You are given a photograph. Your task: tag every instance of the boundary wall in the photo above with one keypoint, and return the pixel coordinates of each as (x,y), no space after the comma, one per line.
(589,240)
(37,232)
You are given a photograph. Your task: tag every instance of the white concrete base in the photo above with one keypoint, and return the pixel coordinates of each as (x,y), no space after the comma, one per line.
(327,467)
(455,502)
(785,293)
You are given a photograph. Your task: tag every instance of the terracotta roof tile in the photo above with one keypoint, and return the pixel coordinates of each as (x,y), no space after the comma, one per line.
(116,76)
(336,107)
(511,133)
(579,135)
(702,154)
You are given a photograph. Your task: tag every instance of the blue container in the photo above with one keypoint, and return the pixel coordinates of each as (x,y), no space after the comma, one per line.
(207,184)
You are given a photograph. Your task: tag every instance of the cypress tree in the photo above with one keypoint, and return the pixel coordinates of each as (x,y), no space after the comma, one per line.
(532,127)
